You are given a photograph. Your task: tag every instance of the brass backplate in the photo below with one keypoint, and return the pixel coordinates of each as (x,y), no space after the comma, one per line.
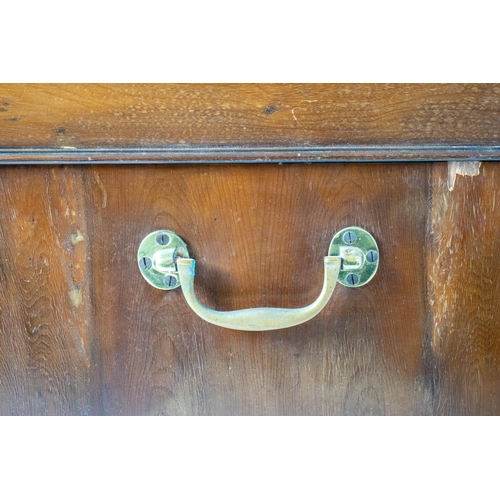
(157,256)
(360,256)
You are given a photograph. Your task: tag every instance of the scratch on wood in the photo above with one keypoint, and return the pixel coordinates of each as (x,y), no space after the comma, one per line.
(298,105)
(470,168)
(103,190)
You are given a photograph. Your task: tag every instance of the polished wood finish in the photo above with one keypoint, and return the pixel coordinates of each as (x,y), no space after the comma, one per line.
(81,332)
(247,123)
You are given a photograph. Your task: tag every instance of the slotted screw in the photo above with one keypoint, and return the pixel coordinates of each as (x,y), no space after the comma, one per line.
(162,239)
(170,281)
(350,237)
(372,256)
(145,263)
(352,279)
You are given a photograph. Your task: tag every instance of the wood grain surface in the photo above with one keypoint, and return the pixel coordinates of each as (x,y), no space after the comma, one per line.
(81,332)
(464,292)
(46,312)
(248,122)
(259,234)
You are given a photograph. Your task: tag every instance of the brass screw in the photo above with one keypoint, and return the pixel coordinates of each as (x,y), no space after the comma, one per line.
(350,237)
(162,239)
(170,281)
(352,279)
(145,263)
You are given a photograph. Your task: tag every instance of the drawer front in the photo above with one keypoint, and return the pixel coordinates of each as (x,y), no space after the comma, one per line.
(83,333)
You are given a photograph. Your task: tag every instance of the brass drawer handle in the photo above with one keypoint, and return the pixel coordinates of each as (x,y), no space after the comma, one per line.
(164,262)
(259,318)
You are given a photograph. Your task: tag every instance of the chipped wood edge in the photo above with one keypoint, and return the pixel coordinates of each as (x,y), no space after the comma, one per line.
(469,168)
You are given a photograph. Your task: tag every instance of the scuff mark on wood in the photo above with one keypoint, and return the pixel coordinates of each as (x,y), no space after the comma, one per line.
(77,237)
(76,296)
(470,168)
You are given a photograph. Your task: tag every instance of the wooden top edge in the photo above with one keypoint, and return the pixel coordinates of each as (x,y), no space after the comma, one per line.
(192,123)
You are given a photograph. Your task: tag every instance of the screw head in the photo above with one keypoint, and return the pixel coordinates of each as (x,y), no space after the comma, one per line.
(372,256)
(170,281)
(350,237)
(145,263)
(162,239)
(352,279)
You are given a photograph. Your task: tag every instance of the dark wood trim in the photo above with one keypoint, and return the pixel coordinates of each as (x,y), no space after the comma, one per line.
(248,155)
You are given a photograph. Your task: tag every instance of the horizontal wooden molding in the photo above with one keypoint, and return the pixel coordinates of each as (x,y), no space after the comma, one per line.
(253,123)
(248,155)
